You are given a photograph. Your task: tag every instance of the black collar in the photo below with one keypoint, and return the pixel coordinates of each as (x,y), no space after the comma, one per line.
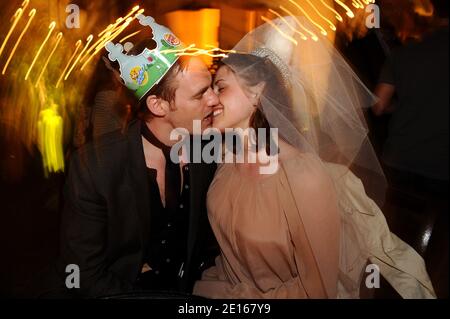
(152,139)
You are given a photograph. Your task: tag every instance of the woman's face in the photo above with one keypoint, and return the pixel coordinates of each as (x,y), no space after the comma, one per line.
(235,108)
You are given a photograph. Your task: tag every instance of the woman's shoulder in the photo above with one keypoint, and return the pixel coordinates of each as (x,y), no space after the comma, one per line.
(302,167)
(291,157)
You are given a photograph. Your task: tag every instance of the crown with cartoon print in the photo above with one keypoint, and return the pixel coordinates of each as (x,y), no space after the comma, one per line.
(142,72)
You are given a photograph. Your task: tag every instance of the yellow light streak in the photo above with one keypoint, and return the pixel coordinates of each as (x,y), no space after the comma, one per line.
(105,30)
(77,47)
(330,24)
(302,36)
(358,4)
(284,35)
(15,18)
(51,27)
(58,40)
(22,8)
(219,49)
(111,29)
(50,139)
(30,19)
(168,51)
(89,40)
(106,40)
(130,36)
(322,30)
(349,11)
(120,20)
(191,50)
(337,15)
(312,34)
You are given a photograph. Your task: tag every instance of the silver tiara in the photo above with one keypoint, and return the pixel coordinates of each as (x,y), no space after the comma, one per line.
(277,61)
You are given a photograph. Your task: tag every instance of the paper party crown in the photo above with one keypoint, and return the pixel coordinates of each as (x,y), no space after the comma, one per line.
(142,72)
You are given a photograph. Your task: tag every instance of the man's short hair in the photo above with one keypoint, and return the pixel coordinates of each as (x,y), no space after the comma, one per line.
(165,89)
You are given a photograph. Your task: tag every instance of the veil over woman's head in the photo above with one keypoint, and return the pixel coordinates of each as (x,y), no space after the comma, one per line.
(323,112)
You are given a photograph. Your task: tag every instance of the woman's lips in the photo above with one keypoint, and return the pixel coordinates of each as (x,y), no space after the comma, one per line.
(217,112)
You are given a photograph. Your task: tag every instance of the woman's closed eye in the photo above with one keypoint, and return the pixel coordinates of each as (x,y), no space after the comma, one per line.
(219,87)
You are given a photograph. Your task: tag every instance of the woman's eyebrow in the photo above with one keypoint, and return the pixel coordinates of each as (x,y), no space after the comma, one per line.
(217,81)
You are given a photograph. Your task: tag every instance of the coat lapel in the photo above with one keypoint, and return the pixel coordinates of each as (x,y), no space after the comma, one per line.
(194,207)
(201,176)
(138,178)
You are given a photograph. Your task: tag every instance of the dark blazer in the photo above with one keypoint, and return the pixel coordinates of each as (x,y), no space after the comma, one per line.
(106,220)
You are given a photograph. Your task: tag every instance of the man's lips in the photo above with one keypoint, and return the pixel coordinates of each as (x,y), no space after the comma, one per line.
(208,118)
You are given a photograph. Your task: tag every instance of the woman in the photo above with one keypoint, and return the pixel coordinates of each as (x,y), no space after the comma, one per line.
(307,229)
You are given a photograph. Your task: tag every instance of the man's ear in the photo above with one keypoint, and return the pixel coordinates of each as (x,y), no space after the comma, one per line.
(157,106)
(256,92)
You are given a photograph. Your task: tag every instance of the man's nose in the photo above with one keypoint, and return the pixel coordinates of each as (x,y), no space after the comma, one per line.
(212,98)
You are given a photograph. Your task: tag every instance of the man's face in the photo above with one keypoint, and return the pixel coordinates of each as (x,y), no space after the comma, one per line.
(194,98)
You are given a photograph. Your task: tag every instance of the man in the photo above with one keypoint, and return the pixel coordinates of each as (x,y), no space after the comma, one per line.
(134,219)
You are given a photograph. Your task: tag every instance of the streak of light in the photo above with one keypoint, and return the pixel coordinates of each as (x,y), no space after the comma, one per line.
(51,28)
(337,15)
(330,24)
(106,40)
(58,40)
(129,36)
(25,29)
(15,20)
(312,34)
(281,32)
(322,30)
(349,11)
(89,40)
(77,47)
(302,36)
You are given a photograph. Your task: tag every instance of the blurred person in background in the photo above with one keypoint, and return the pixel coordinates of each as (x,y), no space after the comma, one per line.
(413,91)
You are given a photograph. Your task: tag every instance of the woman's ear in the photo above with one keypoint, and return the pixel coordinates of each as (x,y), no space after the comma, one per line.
(157,106)
(256,92)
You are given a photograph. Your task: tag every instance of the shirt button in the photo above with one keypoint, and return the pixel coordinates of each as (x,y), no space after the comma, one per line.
(156,272)
(168,260)
(163,241)
(186,186)
(181,206)
(169,225)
